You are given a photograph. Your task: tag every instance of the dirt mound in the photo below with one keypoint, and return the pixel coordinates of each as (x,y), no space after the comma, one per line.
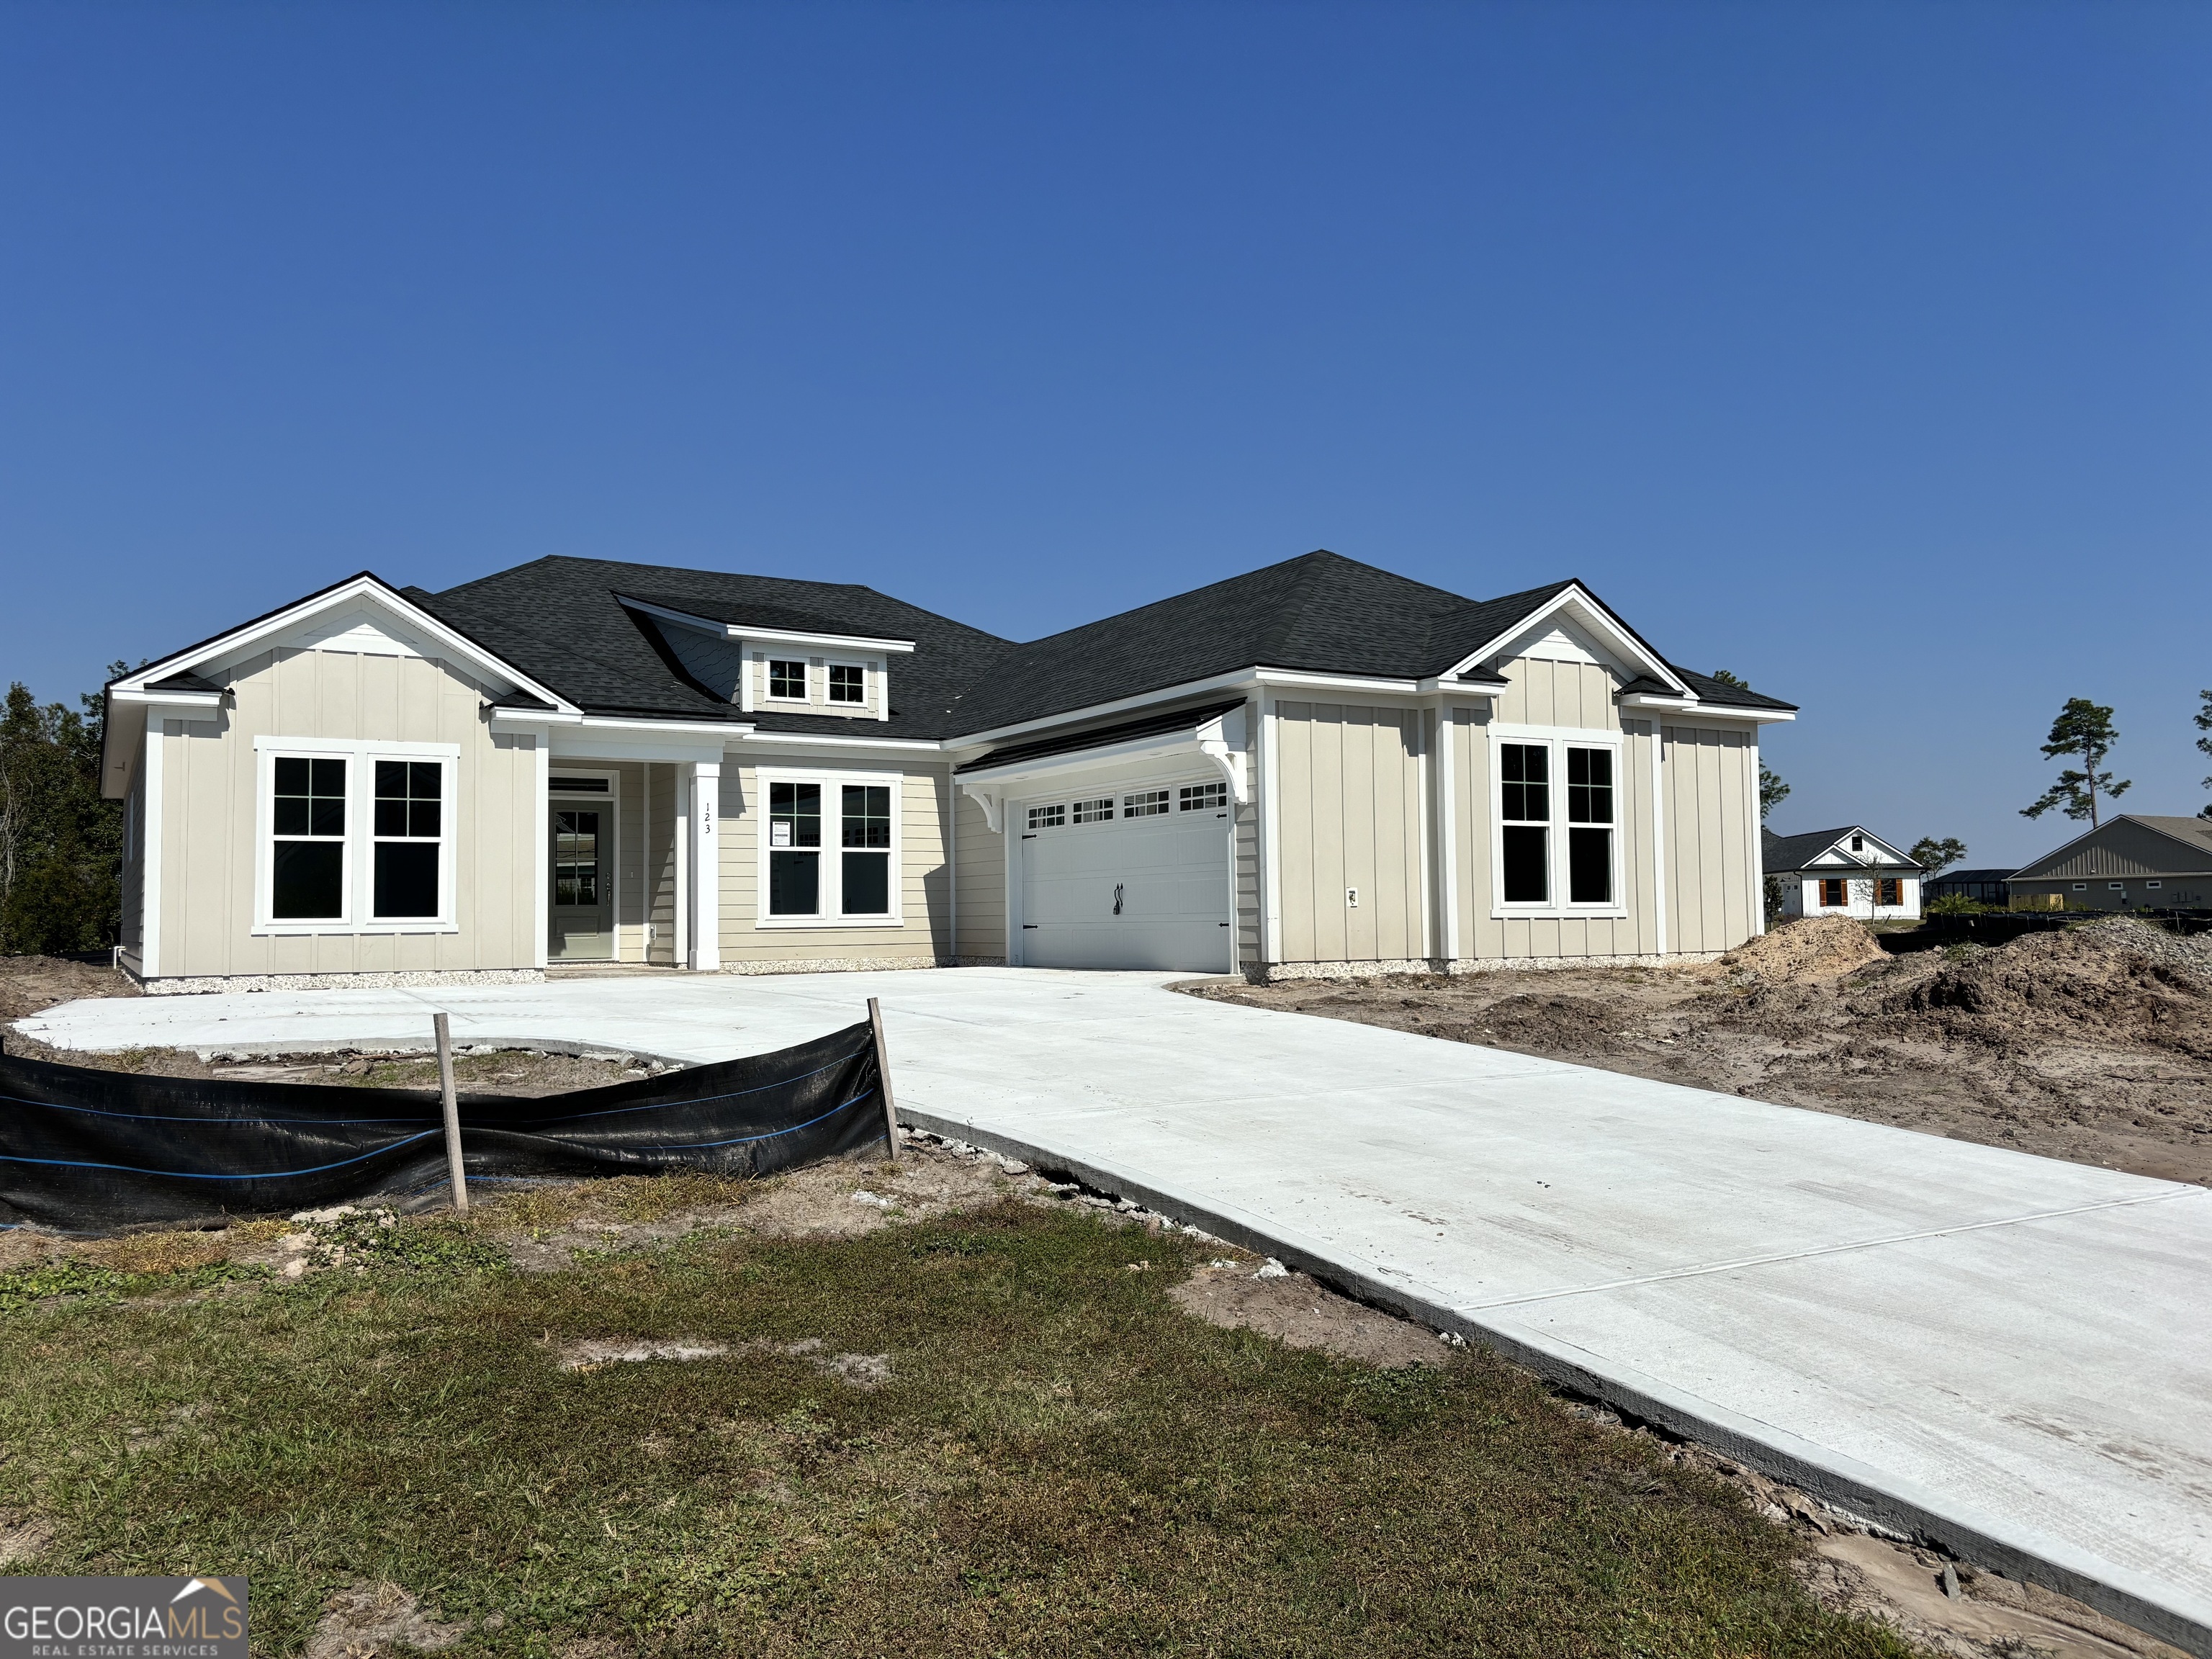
(1812,948)
(2081,984)
(30,985)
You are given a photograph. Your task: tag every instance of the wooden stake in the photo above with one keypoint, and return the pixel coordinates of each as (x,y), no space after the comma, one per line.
(884,1075)
(453,1168)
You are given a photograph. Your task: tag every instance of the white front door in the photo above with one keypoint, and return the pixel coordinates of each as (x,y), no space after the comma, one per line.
(1137,877)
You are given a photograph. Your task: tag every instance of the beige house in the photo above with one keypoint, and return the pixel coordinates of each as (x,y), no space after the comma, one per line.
(2133,862)
(1317,767)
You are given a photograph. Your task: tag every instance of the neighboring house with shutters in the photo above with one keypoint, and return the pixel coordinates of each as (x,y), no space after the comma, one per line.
(1318,767)
(1850,871)
(2132,862)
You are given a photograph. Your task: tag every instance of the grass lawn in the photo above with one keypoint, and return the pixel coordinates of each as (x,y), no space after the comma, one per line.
(1063,1462)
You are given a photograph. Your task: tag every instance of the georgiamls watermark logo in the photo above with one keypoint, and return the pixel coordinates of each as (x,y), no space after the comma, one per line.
(122,1618)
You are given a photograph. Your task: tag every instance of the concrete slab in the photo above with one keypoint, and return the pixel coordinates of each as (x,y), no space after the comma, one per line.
(2011,1355)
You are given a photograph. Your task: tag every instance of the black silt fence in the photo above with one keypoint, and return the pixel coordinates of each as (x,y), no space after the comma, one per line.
(85,1151)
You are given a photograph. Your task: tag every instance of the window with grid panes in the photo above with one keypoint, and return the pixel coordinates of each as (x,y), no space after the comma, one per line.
(409,838)
(308,820)
(1524,833)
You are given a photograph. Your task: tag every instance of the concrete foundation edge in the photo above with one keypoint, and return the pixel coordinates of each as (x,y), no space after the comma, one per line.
(1898,1506)
(1266,973)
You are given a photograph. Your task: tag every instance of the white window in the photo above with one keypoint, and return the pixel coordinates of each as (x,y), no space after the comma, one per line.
(355,836)
(848,683)
(1145,804)
(308,820)
(1558,849)
(1048,818)
(408,836)
(2154,883)
(830,854)
(787,679)
(1094,811)
(2118,886)
(1204,797)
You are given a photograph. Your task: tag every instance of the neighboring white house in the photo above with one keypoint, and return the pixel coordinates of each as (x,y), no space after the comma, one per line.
(1843,873)
(1318,767)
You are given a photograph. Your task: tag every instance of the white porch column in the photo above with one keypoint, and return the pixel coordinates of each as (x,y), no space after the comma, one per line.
(706,862)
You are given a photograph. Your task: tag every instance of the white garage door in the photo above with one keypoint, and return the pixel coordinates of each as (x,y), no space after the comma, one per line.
(1136,878)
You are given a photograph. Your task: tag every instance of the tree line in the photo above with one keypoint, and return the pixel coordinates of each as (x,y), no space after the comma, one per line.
(61,845)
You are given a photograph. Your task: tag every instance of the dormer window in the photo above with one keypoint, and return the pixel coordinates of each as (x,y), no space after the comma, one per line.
(847,683)
(787,679)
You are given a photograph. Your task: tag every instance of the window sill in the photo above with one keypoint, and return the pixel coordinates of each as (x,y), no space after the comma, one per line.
(1560,913)
(826,924)
(348,929)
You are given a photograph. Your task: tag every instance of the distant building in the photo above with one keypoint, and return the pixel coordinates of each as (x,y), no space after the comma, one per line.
(2133,862)
(1982,886)
(1850,871)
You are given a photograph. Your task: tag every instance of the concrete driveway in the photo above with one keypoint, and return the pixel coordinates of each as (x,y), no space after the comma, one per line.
(2011,1355)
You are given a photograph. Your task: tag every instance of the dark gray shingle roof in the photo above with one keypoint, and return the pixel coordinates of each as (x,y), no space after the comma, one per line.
(562,621)
(1797,852)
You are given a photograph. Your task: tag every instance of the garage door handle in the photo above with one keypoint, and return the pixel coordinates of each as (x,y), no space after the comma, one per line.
(1117,898)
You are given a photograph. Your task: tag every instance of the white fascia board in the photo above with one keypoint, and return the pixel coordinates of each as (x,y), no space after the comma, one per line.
(536,719)
(678,728)
(782,635)
(1240,679)
(1333,681)
(1710,711)
(169,699)
(244,639)
(1591,615)
(812,741)
(1158,746)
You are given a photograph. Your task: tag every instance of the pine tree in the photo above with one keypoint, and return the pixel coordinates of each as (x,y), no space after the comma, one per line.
(2086,729)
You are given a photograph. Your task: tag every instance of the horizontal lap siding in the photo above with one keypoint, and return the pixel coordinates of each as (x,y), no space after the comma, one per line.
(924,875)
(981,874)
(660,845)
(208,845)
(1350,799)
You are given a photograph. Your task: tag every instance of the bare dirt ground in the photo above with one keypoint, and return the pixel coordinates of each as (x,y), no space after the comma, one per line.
(2093,1045)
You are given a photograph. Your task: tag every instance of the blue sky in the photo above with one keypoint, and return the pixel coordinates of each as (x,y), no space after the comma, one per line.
(1860,350)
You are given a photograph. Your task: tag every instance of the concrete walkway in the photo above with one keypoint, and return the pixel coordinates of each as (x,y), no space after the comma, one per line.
(2011,1355)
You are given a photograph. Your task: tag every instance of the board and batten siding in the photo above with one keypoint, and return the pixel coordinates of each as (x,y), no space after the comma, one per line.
(208,842)
(924,876)
(1485,936)
(1350,795)
(1712,816)
(1540,691)
(980,859)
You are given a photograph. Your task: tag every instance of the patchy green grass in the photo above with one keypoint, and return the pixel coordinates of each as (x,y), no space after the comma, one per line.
(1062,1463)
